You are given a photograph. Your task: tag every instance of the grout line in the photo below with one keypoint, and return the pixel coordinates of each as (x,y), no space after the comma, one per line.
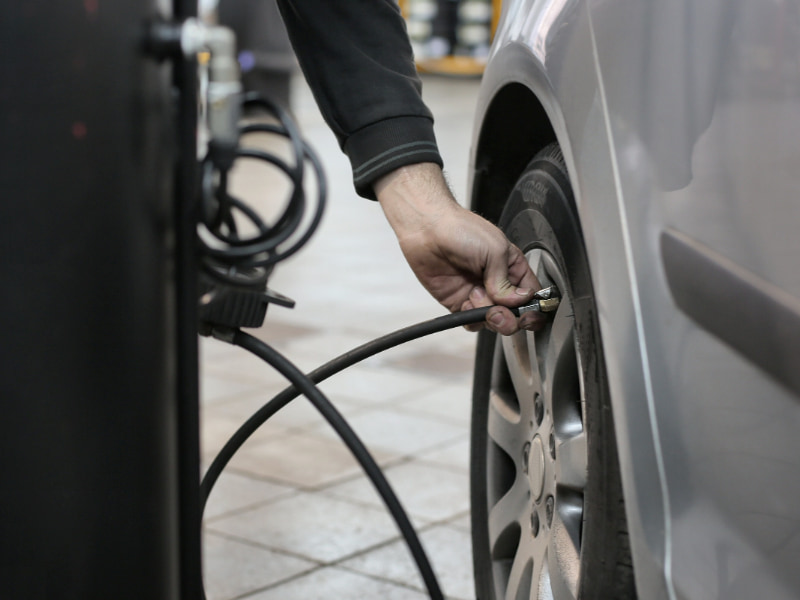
(255,544)
(249,507)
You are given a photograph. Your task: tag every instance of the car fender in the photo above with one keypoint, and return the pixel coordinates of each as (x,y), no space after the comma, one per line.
(526,102)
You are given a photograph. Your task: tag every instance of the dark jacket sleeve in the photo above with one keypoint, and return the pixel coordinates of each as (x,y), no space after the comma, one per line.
(356,57)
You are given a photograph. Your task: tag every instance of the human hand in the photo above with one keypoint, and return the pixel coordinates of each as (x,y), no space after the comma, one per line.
(460,258)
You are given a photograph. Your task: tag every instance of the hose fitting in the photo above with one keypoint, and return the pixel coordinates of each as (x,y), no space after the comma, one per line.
(224,84)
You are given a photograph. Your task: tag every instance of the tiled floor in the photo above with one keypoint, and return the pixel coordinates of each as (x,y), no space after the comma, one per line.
(292,517)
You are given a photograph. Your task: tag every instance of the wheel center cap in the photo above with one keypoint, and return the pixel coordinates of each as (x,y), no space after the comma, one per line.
(536,467)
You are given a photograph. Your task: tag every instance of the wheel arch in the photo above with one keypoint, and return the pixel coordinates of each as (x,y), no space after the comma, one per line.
(514,127)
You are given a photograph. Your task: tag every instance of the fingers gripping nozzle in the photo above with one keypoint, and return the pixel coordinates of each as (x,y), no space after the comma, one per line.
(545,300)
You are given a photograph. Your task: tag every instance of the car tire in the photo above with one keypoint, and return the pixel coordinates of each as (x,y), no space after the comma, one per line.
(548,516)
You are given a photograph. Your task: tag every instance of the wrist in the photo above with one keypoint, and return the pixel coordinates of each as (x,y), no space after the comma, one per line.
(414,197)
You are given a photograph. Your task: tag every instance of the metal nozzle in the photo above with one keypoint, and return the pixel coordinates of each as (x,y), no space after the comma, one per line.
(545,300)
(549,305)
(547,293)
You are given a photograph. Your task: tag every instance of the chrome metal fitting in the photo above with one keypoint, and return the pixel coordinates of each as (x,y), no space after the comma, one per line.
(545,300)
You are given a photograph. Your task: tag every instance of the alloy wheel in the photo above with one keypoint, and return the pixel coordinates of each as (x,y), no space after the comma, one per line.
(537,455)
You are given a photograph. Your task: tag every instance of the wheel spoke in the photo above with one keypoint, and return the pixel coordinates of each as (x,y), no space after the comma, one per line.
(508,511)
(519,579)
(563,554)
(541,580)
(560,342)
(571,465)
(559,586)
(536,361)
(524,378)
(505,427)
(538,267)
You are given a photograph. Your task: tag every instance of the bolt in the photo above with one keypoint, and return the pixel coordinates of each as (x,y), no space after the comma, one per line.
(552,446)
(538,407)
(549,506)
(535,522)
(526,452)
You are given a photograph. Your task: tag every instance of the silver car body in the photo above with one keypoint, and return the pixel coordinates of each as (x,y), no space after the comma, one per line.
(680,125)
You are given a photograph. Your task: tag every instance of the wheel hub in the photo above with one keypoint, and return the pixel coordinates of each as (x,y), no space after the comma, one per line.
(536,467)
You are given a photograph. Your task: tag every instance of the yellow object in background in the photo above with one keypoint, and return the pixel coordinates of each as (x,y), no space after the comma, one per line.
(451,37)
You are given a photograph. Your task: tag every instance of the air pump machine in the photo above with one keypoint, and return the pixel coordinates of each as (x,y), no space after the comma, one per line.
(98,309)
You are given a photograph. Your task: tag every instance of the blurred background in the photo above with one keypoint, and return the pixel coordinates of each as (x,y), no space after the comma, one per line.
(292,516)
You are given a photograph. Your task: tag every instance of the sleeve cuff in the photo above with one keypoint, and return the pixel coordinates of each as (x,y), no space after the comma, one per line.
(387,145)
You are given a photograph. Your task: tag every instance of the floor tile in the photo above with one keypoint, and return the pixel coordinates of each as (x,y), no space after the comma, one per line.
(316,527)
(450,402)
(448,550)
(464,522)
(452,456)
(234,491)
(377,386)
(436,362)
(393,431)
(326,345)
(232,568)
(427,492)
(280,333)
(216,428)
(211,350)
(304,459)
(332,583)
(214,389)
(243,367)
(297,414)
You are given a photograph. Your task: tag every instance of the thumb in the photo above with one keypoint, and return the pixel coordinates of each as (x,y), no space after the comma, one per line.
(508,278)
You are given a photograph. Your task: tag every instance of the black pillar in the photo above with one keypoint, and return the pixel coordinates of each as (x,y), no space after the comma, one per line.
(97,347)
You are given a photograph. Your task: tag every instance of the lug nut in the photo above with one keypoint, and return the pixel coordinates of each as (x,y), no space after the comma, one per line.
(535,522)
(538,409)
(526,452)
(549,507)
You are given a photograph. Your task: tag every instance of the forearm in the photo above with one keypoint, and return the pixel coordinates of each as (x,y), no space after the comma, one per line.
(358,61)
